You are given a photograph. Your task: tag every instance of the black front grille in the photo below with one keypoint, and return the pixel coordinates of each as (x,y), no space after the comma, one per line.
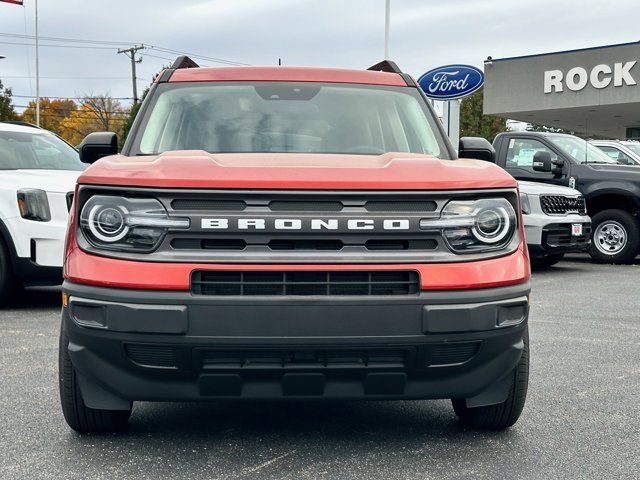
(296,283)
(304,358)
(560,205)
(155,356)
(560,235)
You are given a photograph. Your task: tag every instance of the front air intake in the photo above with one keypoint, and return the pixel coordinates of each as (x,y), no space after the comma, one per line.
(294,283)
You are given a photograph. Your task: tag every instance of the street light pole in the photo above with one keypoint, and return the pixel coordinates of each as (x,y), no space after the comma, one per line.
(37,71)
(387,14)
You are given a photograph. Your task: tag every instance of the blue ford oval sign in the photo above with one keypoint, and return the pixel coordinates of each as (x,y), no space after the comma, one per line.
(451,81)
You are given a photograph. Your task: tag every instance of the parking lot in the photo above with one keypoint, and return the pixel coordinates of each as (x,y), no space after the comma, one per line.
(580,421)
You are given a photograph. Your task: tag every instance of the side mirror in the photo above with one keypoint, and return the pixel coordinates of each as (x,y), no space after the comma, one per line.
(476,147)
(97,145)
(542,162)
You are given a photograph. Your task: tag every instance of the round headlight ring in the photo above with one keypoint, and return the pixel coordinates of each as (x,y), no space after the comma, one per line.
(107,223)
(491,225)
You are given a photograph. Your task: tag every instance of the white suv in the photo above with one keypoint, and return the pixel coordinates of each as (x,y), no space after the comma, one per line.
(38,173)
(555,222)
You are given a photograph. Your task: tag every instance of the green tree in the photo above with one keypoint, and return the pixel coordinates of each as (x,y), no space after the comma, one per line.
(7,111)
(474,124)
(133,111)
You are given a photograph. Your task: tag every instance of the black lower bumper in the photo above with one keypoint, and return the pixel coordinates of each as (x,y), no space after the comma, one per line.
(558,238)
(129,345)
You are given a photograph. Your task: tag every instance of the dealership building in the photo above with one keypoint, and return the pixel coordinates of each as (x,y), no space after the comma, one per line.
(592,91)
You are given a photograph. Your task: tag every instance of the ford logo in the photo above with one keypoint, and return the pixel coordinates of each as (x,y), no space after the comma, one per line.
(451,81)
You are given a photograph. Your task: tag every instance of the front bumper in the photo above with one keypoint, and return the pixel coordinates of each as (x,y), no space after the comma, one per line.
(129,345)
(547,235)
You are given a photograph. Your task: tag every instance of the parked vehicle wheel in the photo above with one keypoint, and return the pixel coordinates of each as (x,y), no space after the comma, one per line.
(616,237)
(546,261)
(7,280)
(502,415)
(78,416)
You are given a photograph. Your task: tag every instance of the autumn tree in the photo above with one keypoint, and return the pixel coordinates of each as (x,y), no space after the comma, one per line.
(52,112)
(96,114)
(7,111)
(474,124)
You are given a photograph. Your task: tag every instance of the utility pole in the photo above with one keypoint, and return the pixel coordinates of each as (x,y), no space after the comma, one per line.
(131,53)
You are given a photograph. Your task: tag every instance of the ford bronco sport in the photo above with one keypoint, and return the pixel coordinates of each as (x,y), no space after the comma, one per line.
(291,233)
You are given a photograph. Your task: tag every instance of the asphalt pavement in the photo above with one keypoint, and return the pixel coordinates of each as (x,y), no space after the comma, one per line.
(581,420)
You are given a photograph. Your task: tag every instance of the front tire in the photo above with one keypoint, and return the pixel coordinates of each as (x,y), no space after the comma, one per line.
(7,279)
(502,415)
(616,237)
(78,416)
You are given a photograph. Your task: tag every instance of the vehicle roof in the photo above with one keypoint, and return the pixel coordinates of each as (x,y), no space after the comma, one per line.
(12,127)
(286,74)
(536,134)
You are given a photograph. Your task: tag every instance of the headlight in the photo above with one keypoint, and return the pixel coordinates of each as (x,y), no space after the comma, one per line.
(524,204)
(126,224)
(475,225)
(34,205)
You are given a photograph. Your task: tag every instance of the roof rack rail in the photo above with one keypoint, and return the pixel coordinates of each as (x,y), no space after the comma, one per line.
(386,66)
(184,62)
(21,123)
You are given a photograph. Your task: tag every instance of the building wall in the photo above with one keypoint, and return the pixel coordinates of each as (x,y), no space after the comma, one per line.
(517,85)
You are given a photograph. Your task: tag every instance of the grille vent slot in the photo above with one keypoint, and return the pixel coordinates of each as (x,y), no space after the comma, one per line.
(155,356)
(454,353)
(304,206)
(400,206)
(208,204)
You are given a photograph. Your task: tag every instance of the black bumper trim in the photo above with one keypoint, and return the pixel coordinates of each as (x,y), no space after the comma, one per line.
(453,344)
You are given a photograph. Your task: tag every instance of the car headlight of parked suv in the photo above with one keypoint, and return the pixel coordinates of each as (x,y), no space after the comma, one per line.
(126,224)
(34,205)
(475,225)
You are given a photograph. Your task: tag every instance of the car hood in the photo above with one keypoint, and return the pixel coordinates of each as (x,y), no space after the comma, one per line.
(53,181)
(390,171)
(538,188)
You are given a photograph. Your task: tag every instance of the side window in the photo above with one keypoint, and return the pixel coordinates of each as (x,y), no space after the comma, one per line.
(521,151)
(617,155)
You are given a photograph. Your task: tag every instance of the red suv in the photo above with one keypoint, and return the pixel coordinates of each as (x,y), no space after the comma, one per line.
(292,233)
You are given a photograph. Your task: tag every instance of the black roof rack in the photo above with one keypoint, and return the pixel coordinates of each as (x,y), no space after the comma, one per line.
(386,66)
(184,62)
(391,67)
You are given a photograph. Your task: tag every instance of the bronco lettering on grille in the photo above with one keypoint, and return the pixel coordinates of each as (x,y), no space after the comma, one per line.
(309,224)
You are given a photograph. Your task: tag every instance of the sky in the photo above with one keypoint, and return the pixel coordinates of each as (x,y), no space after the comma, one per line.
(341,33)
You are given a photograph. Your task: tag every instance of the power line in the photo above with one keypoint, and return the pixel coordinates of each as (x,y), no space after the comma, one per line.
(67,98)
(57,46)
(67,78)
(102,44)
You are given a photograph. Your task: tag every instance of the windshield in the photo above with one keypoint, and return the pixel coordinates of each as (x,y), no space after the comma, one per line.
(634,147)
(580,150)
(288,117)
(23,150)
